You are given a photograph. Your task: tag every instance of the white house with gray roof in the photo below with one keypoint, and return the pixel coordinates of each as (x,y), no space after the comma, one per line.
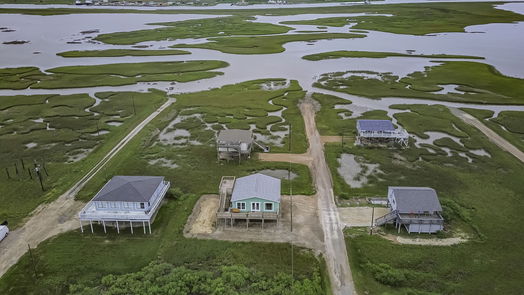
(126,200)
(416,208)
(371,132)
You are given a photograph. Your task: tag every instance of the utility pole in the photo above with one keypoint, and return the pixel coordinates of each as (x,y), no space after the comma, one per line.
(32,261)
(372,219)
(7,172)
(37,170)
(43,166)
(134,108)
(289,137)
(97,126)
(16,168)
(23,165)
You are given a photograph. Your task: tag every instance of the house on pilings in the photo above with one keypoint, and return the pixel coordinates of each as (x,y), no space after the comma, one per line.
(235,144)
(380,132)
(416,208)
(251,198)
(126,201)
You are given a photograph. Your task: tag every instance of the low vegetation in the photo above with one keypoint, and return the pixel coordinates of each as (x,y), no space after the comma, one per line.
(374,54)
(108,74)
(164,278)
(120,52)
(409,18)
(78,263)
(263,44)
(198,28)
(471,82)
(466,190)
(66,134)
(417,18)
(507,124)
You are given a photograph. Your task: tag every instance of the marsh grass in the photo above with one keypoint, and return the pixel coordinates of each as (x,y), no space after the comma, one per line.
(374,54)
(481,83)
(263,44)
(61,127)
(120,52)
(117,74)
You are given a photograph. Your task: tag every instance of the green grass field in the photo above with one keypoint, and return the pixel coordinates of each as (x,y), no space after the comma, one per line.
(120,52)
(117,74)
(373,54)
(82,252)
(476,83)
(263,44)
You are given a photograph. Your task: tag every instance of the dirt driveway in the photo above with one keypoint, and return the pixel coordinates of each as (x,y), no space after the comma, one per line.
(307,231)
(359,216)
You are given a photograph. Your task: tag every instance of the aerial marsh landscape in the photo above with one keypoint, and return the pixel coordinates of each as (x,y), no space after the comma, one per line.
(271,102)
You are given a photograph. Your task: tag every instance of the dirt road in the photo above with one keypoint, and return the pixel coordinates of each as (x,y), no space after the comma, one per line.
(492,135)
(60,215)
(335,245)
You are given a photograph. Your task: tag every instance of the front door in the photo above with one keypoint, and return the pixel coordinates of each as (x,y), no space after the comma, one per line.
(255,206)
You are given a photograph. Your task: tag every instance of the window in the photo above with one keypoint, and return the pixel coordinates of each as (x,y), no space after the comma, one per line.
(112,205)
(255,206)
(127,205)
(102,204)
(268,206)
(142,206)
(241,205)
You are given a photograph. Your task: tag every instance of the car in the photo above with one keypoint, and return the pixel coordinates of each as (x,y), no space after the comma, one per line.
(4,231)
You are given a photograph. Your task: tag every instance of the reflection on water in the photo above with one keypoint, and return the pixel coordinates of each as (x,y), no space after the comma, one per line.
(500,44)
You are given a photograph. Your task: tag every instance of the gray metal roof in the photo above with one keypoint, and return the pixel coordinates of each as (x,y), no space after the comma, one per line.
(414,199)
(235,135)
(375,125)
(257,186)
(129,189)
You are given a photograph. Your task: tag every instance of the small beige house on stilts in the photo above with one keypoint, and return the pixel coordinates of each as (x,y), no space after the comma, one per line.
(236,144)
(126,201)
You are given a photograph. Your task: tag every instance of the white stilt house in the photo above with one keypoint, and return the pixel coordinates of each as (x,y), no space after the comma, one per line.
(371,132)
(126,201)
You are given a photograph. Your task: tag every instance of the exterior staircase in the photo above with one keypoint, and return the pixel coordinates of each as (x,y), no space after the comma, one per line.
(388,218)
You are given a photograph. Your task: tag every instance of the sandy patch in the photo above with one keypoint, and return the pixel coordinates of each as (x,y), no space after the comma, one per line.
(205,215)
(307,231)
(359,216)
(425,242)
